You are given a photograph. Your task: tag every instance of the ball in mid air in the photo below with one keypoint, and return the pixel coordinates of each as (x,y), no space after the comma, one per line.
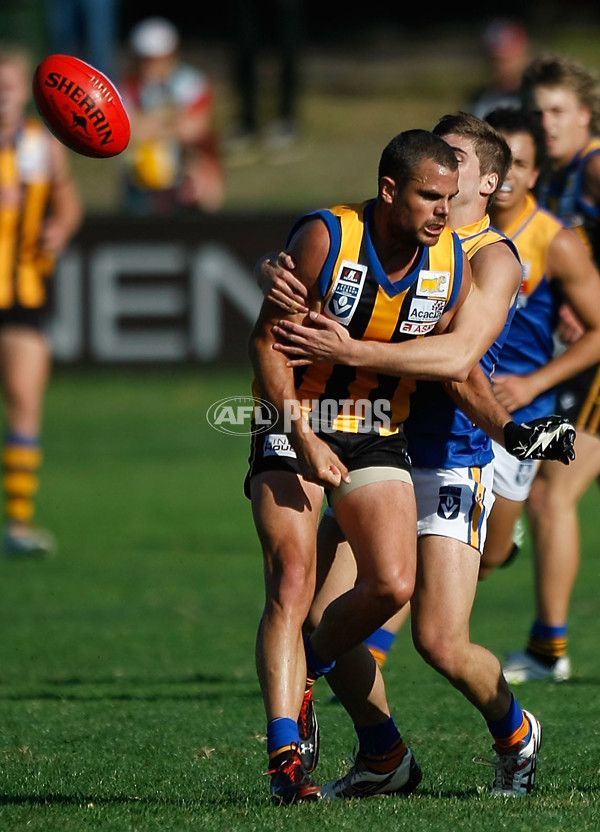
(81,106)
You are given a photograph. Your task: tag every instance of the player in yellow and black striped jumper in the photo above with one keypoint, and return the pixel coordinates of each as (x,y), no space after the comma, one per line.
(390,269)
(40,210)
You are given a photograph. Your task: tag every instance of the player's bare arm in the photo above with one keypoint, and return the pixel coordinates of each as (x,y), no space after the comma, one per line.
(573,270)
(475,323)
(476,398)
(317,461)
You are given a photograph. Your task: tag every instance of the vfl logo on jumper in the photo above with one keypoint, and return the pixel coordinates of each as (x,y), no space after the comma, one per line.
(449,504)
(347,289)
(433,284)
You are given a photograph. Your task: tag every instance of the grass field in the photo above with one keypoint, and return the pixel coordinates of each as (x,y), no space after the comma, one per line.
(128,696)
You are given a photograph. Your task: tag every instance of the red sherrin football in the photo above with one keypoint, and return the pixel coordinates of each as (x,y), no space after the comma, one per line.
(81,106)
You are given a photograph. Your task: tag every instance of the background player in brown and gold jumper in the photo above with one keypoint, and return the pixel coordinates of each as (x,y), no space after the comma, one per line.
(40,210)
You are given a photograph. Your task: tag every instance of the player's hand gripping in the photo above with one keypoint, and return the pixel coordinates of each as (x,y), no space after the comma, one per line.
(323,340)
(551,437)
(278,284)
(318,462)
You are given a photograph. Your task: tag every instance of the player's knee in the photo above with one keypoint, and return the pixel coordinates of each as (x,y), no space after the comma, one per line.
(438,650)
(498,561)
(290,581)
(391,593)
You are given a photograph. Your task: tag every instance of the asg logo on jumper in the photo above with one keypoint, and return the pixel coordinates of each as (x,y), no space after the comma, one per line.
(242,415)
(433,284)
(346,292)
(449,504)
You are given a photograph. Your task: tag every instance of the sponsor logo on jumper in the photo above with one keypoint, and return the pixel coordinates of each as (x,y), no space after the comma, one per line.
(345,294)
(433,284)
(277,444)
(424,310)
(415,329)
(88,113)
(524,288)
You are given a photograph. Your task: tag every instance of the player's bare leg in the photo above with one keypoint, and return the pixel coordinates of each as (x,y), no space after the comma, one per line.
(286,512)
(553,514)
(499,541)
(365,584)
(24,369)
(441,608)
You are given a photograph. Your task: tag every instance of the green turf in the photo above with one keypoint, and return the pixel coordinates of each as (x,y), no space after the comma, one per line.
(128,697)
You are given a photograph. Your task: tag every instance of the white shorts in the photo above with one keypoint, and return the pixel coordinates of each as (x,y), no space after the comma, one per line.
(512,476)
(454,502)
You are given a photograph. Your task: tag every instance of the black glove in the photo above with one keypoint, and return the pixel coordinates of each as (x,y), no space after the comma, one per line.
(551,437)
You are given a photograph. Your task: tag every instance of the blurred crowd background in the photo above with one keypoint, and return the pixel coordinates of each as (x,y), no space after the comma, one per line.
(361,76)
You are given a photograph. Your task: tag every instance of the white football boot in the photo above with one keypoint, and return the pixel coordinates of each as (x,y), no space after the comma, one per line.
(361,782)
(522,666)
(515,771)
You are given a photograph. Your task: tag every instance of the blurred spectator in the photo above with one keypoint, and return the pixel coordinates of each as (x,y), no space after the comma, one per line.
(87,29)
(40,212)
(173,161)
(251,20)
(506,45)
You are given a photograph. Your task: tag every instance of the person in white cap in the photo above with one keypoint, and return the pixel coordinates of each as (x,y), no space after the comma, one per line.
(173,162)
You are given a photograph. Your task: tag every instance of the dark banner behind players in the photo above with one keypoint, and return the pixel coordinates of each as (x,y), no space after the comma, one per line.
(161,291)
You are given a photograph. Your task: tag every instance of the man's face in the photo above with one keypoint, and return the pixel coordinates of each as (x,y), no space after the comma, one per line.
(14,93)
(522,174)
(565,121)
(470,180)
(420,209)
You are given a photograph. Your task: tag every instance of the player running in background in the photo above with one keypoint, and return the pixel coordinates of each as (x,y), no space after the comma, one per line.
(40,210)
(566,95)
(557,267)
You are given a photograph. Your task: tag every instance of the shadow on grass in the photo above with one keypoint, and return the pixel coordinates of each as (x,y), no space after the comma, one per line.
(193,678)
(57,799)
(216,800)
(126,696)
(135,689)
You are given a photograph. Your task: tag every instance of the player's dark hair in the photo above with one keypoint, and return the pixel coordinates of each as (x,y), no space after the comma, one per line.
(511,120)
(405,152)
(490,147)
